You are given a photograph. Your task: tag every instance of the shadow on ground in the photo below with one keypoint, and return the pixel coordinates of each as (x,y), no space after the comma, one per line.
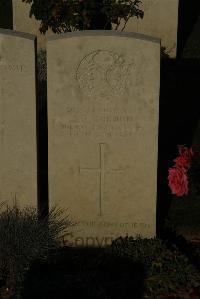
(84,273)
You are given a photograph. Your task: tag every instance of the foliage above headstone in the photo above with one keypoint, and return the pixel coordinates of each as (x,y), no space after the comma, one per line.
(65,16)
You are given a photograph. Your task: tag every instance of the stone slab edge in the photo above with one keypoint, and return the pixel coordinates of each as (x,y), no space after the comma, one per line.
(17,33)
(105,33)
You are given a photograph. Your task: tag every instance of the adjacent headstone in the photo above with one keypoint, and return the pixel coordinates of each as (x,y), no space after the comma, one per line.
(22,22)
(160,20)
(18,161)
(103,101)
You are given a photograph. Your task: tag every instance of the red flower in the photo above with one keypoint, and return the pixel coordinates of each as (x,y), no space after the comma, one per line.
(178,181)
(185,158)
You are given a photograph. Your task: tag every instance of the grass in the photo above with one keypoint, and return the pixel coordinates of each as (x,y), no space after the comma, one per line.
(128,269)
(35,266)
(24,237)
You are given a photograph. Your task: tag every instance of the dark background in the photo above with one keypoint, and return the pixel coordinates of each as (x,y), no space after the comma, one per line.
(6,14)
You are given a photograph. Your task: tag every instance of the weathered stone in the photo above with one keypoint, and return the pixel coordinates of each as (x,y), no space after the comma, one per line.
(160,20)
(18,161)
(22,22)
(103,101)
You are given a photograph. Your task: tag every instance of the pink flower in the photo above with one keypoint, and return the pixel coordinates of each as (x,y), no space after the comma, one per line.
(178,181)
(185,157)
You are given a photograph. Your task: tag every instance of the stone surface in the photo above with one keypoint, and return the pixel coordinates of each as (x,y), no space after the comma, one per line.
(103,101)
(160,20)
(18,161)
(22,22)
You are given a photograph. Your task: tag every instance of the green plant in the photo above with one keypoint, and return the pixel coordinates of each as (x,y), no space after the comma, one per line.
(23,238)
(42,89)
(168,271)
(64,16)
(163,53)
(41,66)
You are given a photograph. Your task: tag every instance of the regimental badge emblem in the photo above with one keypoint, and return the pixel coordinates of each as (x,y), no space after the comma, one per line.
(104,73)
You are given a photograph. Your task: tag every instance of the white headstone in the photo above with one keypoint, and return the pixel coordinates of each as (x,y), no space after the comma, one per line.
(22,22)
(160,20)
(103,101)
(18,160)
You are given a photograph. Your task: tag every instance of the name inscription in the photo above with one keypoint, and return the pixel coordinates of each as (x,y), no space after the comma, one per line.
(98,123)
(19,68)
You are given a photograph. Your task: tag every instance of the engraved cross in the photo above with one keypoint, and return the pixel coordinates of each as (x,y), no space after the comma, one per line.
(102,170)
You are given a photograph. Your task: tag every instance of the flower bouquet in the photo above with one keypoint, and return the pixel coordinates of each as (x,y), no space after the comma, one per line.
(184,176)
